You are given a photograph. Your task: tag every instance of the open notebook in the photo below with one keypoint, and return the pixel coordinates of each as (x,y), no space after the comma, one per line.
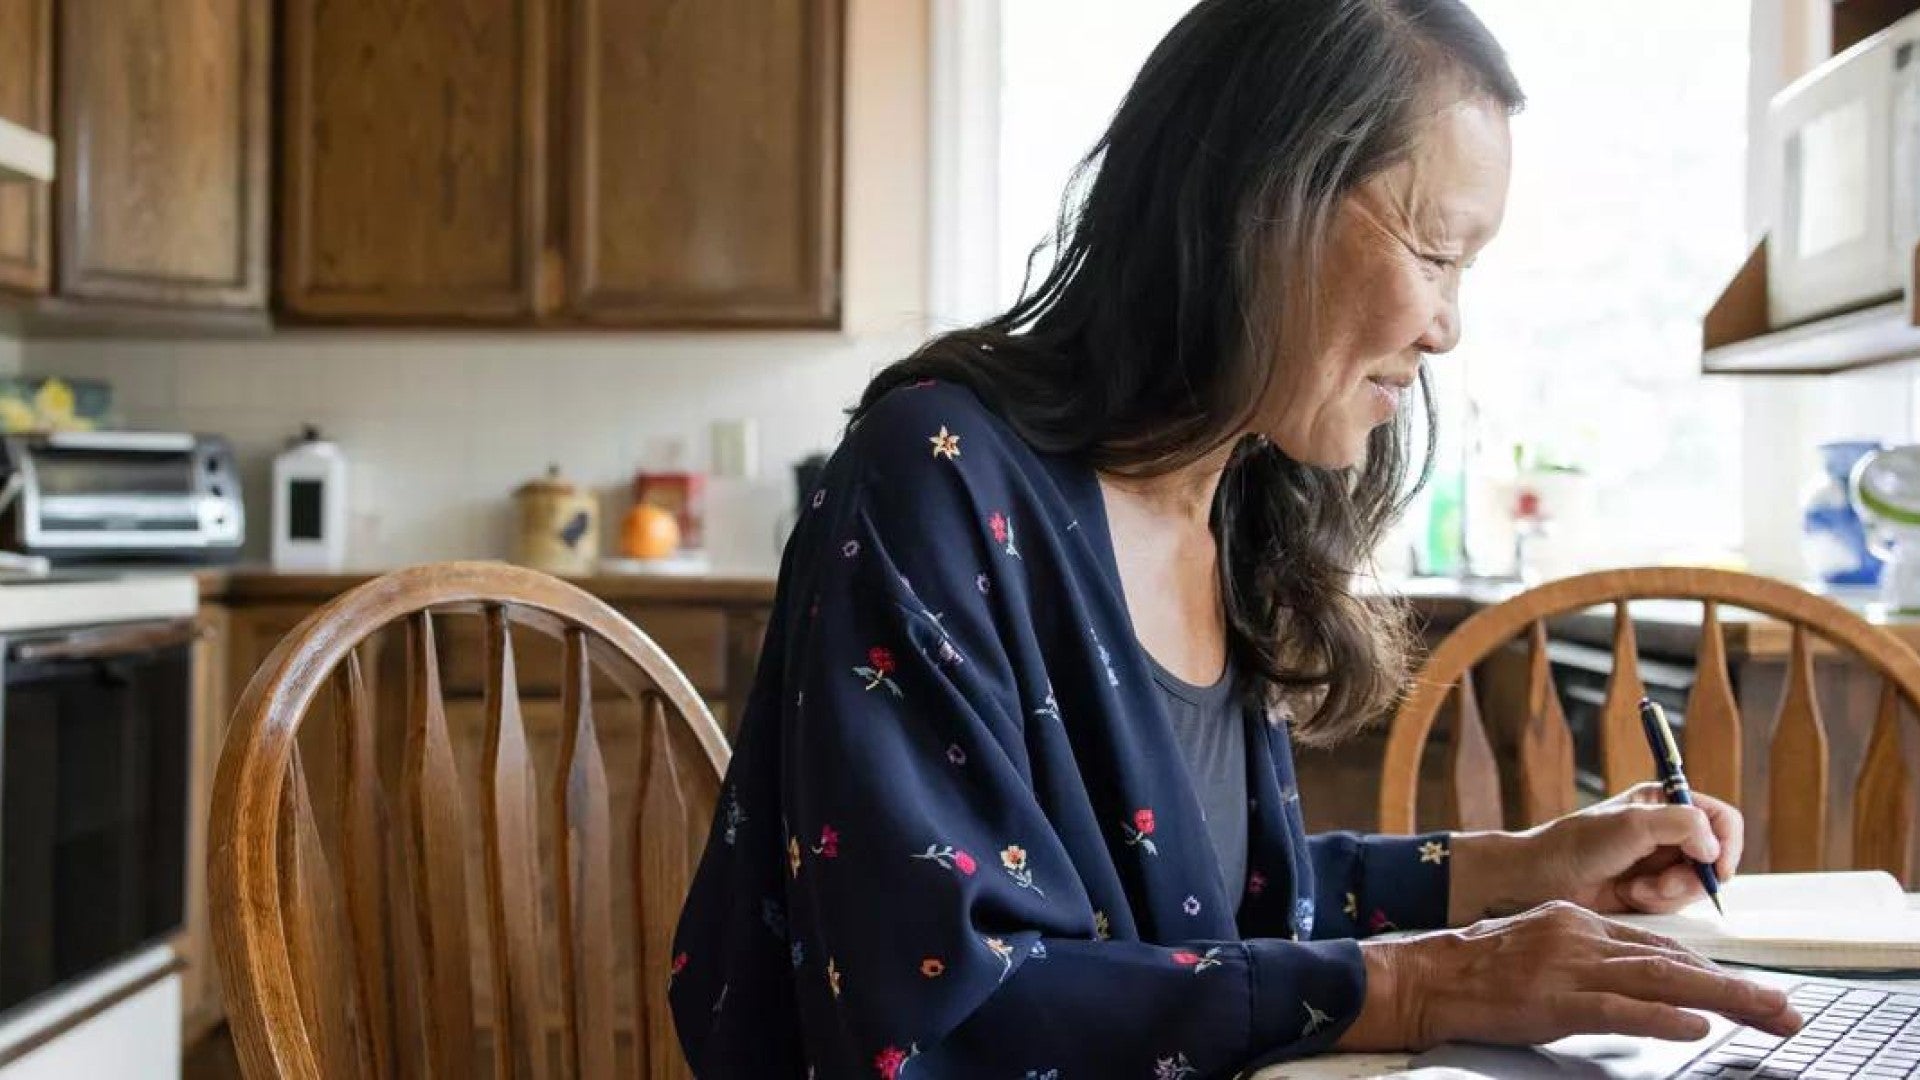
(1855,921)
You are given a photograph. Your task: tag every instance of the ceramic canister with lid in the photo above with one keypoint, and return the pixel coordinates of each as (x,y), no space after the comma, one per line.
(559,525)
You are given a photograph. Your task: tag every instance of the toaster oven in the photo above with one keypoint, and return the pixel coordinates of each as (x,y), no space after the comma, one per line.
(75,496)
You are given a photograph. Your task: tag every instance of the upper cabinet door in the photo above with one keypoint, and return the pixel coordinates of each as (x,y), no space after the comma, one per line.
(413,158)
(26,96)
(704,162)
(162,152)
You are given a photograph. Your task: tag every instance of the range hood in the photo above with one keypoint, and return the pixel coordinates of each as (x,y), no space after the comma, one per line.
(24,154)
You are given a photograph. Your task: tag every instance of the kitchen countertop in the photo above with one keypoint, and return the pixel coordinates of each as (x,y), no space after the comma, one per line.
(1662,627)
(30,604)
(264,585)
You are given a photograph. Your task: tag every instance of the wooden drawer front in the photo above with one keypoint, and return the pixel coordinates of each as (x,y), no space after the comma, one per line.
(694,638)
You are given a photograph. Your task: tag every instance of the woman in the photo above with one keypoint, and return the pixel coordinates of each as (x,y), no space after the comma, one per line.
(1014,793)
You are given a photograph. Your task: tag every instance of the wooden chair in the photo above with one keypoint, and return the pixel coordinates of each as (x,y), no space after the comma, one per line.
(1796,773)
(355,937)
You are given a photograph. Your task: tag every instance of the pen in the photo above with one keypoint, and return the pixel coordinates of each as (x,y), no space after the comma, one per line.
(1666,758)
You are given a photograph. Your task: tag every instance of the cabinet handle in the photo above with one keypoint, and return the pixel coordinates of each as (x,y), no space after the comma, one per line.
(107,642)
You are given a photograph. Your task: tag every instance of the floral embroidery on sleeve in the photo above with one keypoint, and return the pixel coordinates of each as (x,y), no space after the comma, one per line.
(1433,851)
(1352,908)
(945,444)
(1191,905)
(1256,883)
(1303,916)
(1173,1068)
(1315,1020)
(833,978)
(1002,529)
(949,655)
(878,670)
(1199,962)
(1002,950)
(1379,923)
(1102,929)
(949,858)
(1050,710)
(1014,859)
(829,845)
(793,855)
(955,755)
(774,916)
(1139,832)
(933,967)
(892,1060)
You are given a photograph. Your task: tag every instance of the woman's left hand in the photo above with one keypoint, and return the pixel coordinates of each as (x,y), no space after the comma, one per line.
(1629,853)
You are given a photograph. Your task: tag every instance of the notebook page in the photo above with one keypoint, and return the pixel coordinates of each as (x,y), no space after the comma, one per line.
(1833,921)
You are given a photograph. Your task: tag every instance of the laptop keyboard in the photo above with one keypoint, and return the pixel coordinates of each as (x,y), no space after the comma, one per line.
(1849,1032)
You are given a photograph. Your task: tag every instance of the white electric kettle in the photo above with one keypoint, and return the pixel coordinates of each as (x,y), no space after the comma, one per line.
(1885,489)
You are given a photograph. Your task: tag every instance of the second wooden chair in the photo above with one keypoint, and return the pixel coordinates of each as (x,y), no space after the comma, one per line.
(1797,769)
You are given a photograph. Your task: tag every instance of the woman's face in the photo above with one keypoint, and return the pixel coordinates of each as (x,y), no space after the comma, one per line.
(1389,286)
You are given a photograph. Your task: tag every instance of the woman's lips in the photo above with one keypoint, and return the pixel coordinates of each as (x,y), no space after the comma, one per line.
(1386,394)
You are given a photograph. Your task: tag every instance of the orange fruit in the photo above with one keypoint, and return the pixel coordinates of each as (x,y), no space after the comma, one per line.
(649,533)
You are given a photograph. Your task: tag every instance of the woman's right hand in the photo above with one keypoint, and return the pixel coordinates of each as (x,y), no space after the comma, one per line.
(1554,971)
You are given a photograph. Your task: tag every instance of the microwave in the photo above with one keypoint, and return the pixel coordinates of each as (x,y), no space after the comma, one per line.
(1844,143)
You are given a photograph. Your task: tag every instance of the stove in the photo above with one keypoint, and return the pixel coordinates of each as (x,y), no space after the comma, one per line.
(96,687)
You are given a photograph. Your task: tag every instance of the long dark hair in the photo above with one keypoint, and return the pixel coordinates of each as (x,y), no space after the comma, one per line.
(1187,248)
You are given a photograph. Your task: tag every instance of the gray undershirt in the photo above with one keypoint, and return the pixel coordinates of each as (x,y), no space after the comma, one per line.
(1211,732)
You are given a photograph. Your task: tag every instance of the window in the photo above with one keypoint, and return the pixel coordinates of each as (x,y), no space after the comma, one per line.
(1582,320)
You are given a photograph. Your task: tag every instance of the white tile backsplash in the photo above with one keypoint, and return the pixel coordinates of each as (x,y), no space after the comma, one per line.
(440,429)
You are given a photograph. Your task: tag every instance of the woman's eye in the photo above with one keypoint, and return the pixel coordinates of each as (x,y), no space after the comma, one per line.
(1444,262)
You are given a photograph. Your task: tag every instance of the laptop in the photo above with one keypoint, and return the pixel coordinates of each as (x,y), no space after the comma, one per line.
(1854,1029)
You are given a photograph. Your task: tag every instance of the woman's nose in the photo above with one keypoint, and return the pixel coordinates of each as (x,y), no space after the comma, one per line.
(1443,333)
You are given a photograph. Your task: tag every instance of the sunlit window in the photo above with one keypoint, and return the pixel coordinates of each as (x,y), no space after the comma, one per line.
(1582,321)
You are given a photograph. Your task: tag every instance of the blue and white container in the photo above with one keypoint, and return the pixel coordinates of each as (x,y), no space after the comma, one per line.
(1832,538)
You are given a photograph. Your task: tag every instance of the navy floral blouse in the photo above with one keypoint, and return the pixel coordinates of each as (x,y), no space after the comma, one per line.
(958,838)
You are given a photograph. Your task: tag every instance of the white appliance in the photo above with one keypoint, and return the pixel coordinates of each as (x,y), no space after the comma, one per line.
(1886,495)
(1844,142)
(310,505)
(128,1026)
(92,495)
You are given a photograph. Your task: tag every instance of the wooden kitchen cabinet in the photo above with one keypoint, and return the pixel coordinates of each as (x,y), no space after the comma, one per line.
(413,159)
(26,98)
(252,633)
(647,163)
(703,162)
(162,147)
(232,643)
(200,1005)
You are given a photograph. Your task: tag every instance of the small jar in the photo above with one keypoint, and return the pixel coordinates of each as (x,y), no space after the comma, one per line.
(559,526)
